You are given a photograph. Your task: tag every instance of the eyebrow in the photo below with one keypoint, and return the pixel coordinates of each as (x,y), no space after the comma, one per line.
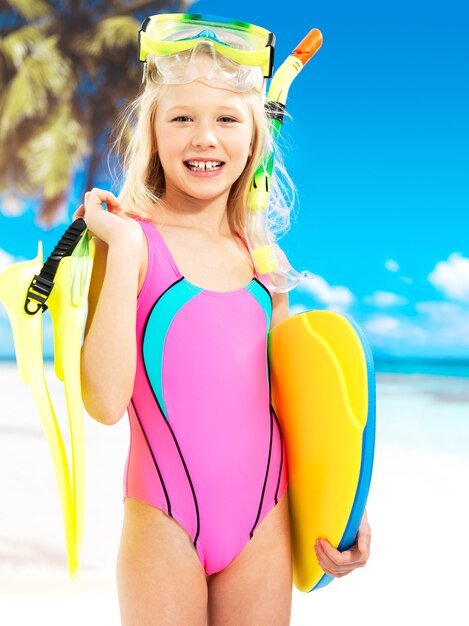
(222,107)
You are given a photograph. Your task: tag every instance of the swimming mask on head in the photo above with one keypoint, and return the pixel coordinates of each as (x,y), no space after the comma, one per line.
(180,48)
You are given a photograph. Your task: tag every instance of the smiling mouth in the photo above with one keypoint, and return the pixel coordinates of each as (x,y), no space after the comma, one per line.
(203,166)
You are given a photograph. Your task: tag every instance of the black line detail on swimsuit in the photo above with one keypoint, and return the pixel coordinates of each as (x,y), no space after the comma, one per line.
(265,478)
(264,288)
(279,430)
(271,421)
(161,411)
(281,453)
(168,503)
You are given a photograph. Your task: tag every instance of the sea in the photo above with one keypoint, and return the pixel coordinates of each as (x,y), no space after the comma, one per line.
(423,404)
(420,403)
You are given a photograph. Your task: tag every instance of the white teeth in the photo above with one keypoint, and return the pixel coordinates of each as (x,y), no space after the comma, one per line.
(204,165)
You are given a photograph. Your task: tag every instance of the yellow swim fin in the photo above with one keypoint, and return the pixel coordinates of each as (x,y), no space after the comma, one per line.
(24,289)
(68,305)
(27,336)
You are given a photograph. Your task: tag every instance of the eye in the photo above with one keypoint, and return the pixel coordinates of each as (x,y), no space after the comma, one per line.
(181,118)
(227,118)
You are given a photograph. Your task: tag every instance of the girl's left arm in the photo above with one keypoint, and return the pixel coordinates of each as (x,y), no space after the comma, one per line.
(279,308)
(332,561)
(339,564)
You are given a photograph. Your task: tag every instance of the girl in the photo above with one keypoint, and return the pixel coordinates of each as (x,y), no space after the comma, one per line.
(177,334)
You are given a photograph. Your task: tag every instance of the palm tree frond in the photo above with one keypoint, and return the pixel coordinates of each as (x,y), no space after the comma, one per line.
(110,34)
(3,170)
(51,156)
(66,67)
(50,209)
(31,9)
(148,7)
(45,73)
(17,44)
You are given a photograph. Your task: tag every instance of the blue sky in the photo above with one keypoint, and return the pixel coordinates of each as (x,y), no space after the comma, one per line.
(378,148)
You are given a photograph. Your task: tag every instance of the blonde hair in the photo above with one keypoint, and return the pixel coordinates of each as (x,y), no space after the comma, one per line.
(141,179)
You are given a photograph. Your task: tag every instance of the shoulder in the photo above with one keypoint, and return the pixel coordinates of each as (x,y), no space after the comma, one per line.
(139,246)
(141,257)
(99,267)
(280,307)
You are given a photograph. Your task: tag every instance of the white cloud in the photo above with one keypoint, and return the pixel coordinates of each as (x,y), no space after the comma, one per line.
(12,205)
(402,329)
(337,297)
(384,299)
(447,315)
(5,260)
(391,265)
(297,308)
(447,322)
(382,325)
(439,312)
(451,277)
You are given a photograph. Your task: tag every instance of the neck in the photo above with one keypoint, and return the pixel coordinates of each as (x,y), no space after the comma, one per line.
(177,209)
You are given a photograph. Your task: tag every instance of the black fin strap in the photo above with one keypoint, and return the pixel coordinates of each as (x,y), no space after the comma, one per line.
(41,285)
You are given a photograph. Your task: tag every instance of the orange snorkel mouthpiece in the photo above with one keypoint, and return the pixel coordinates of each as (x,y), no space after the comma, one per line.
(308,47)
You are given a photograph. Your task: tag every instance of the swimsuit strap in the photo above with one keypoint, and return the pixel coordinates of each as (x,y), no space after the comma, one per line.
(243,239)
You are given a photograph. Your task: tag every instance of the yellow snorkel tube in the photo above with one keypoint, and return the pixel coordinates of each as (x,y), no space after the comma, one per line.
(268,258)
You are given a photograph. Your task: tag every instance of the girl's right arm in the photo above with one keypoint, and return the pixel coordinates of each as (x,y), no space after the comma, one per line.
(108,354)
(109,351)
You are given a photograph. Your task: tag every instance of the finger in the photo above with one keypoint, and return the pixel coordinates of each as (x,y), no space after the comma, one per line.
(100,199)
(332,569)
(105,196)
(331,554)
(337,560)
(326,563)
(326,566)
(80,212)
(342,571)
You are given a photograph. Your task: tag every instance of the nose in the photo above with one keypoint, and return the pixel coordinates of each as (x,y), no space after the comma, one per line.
(204,135)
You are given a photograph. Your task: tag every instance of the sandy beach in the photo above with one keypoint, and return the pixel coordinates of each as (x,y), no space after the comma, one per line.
(417,508)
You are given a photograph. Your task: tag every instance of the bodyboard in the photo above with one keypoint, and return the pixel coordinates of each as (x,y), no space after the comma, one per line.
(323,393)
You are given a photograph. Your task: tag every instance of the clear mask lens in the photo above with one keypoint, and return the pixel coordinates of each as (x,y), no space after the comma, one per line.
(203,62)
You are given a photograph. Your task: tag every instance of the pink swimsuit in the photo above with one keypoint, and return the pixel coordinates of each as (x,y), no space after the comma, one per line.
(206,445)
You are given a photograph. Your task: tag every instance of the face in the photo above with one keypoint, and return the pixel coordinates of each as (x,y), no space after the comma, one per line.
(203,137)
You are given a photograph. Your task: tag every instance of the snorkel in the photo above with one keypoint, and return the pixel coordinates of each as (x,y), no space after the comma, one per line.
(268,258)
